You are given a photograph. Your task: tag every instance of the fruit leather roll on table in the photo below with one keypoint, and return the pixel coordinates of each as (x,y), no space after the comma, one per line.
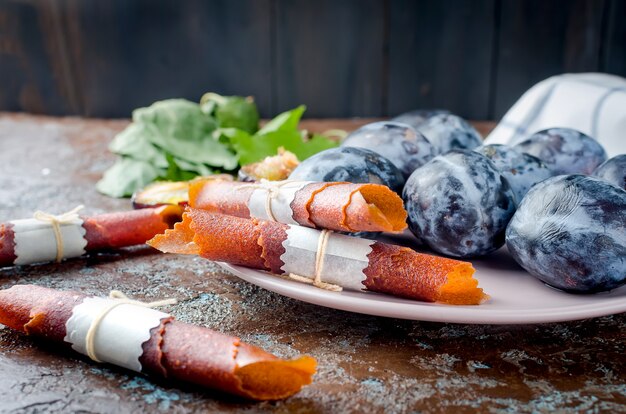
(131,335)
(37,240)
(345,261)
(336,206)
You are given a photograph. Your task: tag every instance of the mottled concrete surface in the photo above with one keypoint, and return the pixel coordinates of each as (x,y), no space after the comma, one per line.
(367,364)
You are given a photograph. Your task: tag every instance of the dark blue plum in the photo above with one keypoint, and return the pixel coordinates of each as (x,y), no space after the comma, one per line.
(459,204)
(570,232)
(447,131)
(565,150)
(399,143)
(521,170)
(419,116)
(613,170)
(355,165)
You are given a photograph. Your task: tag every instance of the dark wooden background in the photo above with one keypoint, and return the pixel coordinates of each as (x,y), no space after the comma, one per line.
(341,58)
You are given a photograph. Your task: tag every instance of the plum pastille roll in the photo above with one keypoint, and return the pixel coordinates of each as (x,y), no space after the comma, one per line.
(323,258)
(133,335)
(47,237)
(335,206)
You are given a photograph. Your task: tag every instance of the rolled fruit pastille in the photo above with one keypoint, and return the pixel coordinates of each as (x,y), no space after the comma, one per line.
(267,245)
(335,206)
(104,231)
(172,350)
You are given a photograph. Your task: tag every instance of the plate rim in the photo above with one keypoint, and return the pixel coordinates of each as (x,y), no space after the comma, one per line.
(352,301)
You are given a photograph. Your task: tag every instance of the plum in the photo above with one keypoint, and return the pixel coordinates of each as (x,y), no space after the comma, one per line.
(355,165)
(447,131)
(459,204)
(521,170)
(564,150)
(613,170)
(399,143)
(418,117)
(570,232)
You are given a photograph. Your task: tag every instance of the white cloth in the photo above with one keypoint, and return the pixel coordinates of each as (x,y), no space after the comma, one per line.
(593,103)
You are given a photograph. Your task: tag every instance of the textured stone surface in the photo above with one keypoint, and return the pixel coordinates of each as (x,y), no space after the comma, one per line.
(367,364)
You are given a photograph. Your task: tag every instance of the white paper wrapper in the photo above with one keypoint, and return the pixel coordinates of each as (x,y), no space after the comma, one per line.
(280,202)
(120,334)
(35,240)
(345,257)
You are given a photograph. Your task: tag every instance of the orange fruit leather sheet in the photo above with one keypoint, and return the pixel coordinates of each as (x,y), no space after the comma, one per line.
(392,269)
(128,228)
(108,231)
(334,206)
(175,350)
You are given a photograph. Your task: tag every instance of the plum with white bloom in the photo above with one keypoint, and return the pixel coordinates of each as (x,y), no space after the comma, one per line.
(570,232)
(459,204)
(401,144)
(565,150)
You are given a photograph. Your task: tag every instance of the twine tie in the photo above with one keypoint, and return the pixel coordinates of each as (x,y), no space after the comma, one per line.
(272,188)
(119,299)
(56,221)
(320,254)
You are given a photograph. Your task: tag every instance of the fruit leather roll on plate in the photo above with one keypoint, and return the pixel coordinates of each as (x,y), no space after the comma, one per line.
(47,237)
(129,334)
(338,260)
(336,206)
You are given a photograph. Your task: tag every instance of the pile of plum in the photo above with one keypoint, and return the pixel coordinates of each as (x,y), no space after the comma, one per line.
(555,199)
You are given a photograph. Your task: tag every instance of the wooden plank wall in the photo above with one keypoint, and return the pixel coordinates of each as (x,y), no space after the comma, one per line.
(341,58)
(565,37)
(440,55)
(330,56)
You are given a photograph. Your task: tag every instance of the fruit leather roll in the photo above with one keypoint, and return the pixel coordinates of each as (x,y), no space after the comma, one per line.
(132,335)
(47,237)
(331,259)
(335,206)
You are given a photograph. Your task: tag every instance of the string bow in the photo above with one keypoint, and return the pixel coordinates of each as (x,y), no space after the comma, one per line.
(56,221)
(272,188)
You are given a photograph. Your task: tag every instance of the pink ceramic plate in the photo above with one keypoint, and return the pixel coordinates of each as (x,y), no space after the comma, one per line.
(516,298)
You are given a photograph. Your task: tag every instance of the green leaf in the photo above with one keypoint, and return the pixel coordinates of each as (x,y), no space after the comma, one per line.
(134,141)
(177,139)
(179,127)
(287,121)
(232,111)
(208,151)
(174,171)
(281,131)
(315,144)
(238,139)
(253,148)
(126,176)
(197,169)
